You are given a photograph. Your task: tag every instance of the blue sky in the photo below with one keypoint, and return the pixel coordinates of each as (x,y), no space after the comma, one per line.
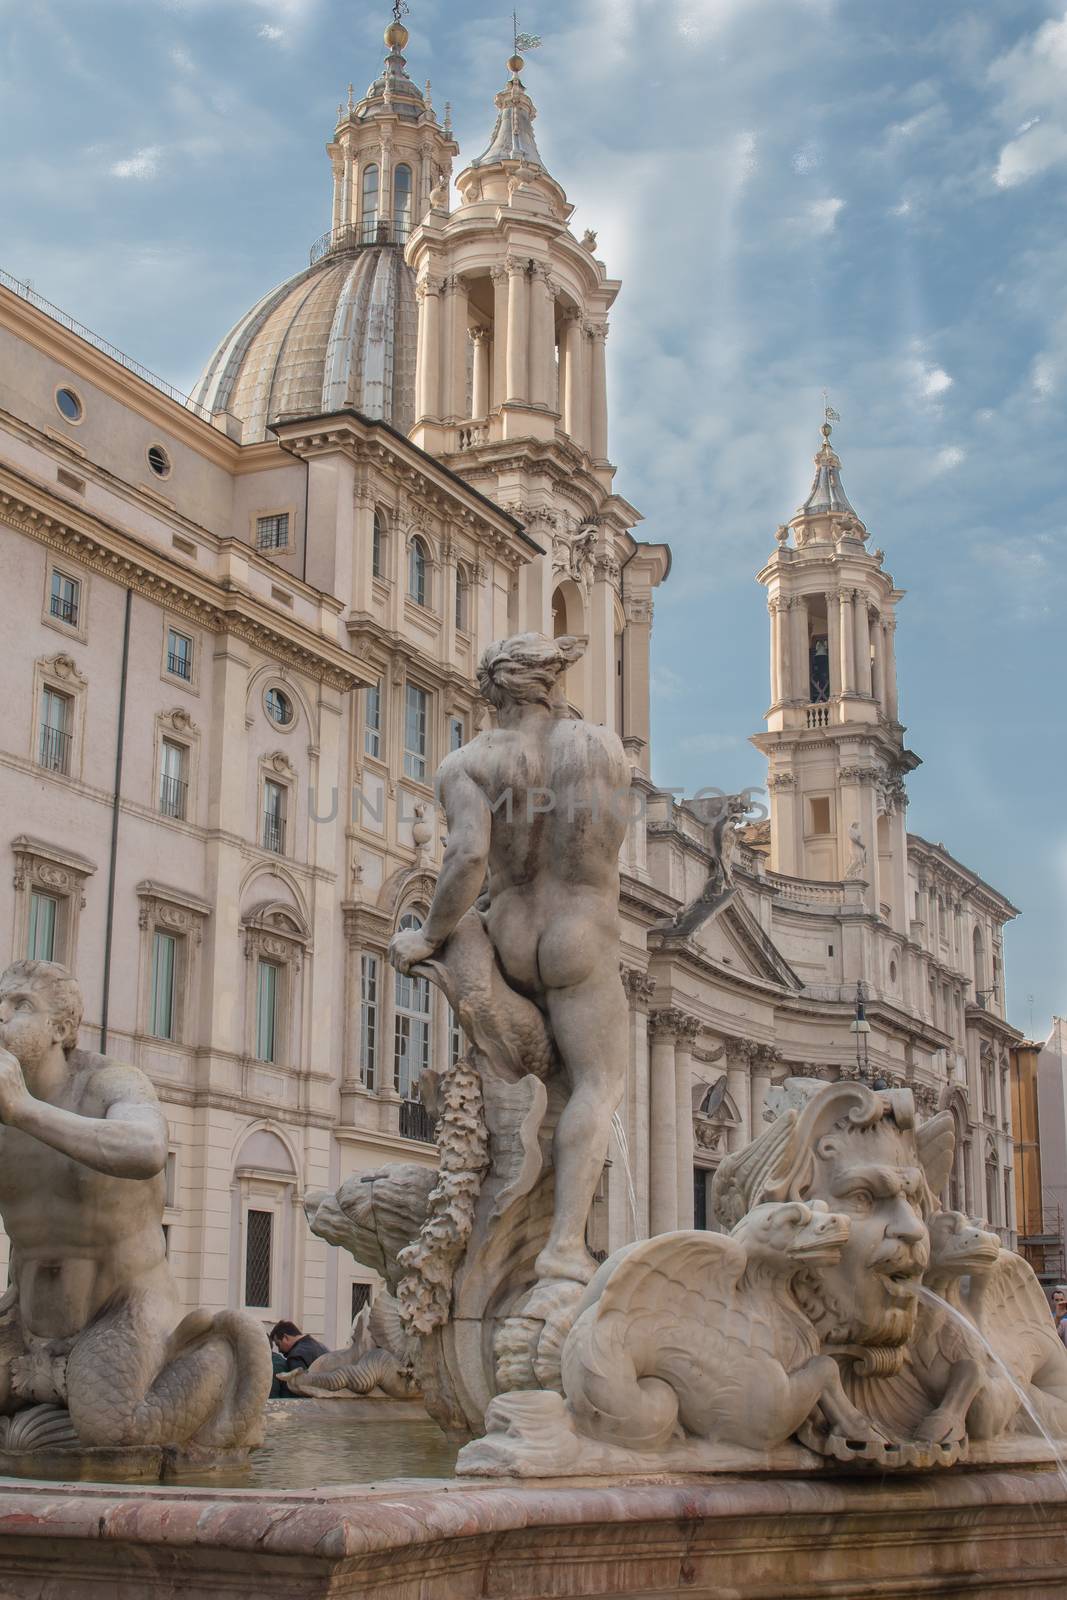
(861,195)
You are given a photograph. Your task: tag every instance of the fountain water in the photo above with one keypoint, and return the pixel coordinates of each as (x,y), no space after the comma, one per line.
(972,1332)
(623,1145)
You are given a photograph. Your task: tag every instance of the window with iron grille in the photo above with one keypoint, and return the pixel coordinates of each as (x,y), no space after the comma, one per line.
(55,736)
(372,719)
(179,654)
(173,788)
(360,1298)
(272,533)
(368,1021)
(66,593)
(416,706)
(411,1024)
(274,797)
(259,1234)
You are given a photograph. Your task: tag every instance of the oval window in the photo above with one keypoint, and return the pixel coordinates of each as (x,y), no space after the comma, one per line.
(159,461)
(68,405)
(279,707)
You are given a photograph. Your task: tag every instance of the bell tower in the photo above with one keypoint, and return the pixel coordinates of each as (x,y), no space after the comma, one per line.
(834,741)
(389,154)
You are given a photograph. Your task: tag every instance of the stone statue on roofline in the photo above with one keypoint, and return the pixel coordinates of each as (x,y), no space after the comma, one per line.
(93,1352)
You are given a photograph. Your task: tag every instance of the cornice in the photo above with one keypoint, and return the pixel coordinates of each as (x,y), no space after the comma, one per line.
(32,510)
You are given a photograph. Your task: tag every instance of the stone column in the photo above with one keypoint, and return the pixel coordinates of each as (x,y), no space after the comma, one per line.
(635,648)
(833,643)
(862,640)
(542,339)
(801,651)
(762,1062)
(890,669)
(428,376)
(574,394)
(848,658)
(599,402)
(340,171)
(640,989)
(518,366)
(500,337)
(663,1130)
(737,1087)
(773,608)
(878,663)
(456,317)
(688,1031)
(480,393)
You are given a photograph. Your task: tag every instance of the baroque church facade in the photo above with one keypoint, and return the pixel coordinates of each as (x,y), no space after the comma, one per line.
(243,629)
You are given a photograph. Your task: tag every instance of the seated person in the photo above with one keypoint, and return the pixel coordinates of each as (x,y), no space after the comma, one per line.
(297,1349)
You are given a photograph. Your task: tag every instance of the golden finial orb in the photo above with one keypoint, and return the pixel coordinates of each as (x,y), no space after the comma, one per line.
(396,36)
(516,64)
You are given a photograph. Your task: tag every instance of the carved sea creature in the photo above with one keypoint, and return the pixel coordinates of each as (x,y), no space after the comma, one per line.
(701,1333)
(945,1360)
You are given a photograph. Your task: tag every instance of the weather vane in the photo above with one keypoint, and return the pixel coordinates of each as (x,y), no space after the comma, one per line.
(829,414)
(524,41)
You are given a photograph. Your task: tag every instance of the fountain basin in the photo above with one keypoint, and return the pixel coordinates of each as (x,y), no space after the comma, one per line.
(984,1533)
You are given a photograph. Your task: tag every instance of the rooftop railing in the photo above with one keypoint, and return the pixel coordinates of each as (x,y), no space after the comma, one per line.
(360,236)
(30,295)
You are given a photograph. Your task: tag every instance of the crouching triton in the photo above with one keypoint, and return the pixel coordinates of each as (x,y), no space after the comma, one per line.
(93,1351)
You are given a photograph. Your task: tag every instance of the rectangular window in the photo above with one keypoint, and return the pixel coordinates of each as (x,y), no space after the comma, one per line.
(55,743)
(411,1033)
(173,787)
(267,1011)
(368,1020)
(272,533)
(457,733)
(259,1241)
(274,796)
(164,971)
(360,1298)
(455,1038)
(416,702)
(65,596)
(820,814)
(179,655)
(41,944)
(372,719)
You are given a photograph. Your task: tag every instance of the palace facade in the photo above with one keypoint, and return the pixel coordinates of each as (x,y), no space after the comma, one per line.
(242,630)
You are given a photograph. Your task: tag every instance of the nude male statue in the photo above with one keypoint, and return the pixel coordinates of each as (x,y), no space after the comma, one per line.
(90,1318)
(539,802)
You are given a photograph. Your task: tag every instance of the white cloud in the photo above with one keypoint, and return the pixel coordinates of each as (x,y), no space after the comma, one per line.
(805,160)
(901,210)
(949,458)
(272,33)
(182,59)
(821,215)
(144,165)
(930,381)
(1031,78)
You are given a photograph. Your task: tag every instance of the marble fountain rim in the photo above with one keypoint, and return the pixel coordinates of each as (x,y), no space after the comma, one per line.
(346,1521)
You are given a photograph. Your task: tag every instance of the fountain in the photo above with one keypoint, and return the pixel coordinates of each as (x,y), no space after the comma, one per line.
(848,1389)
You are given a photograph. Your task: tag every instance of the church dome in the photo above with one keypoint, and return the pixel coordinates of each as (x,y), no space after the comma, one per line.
(340,334)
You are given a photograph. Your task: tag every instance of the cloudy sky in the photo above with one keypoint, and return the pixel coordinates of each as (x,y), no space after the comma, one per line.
(866,196)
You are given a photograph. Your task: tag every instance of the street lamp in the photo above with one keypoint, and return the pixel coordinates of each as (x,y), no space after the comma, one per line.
(861,1028)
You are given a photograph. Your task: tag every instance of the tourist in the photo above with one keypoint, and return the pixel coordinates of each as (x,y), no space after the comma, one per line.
(299,1349)
(1059,1310)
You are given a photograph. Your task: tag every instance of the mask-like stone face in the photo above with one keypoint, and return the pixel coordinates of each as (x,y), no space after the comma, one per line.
(870,1295)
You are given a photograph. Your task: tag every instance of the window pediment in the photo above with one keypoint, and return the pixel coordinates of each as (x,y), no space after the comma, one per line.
(46,866)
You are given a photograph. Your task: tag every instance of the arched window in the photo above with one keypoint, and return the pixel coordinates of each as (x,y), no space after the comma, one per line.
(418,573)
(411,1024)
(957,1186)
(992,1187)
(369,208)
(462,600)
(377,560)
(402,202)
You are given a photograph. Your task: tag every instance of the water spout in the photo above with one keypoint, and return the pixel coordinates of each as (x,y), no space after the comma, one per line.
(624,1155)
